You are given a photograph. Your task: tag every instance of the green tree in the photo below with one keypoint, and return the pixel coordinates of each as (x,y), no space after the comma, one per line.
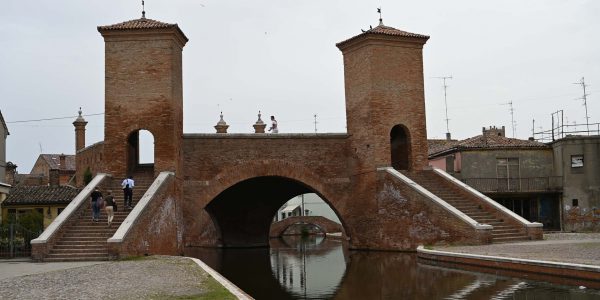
(87,176)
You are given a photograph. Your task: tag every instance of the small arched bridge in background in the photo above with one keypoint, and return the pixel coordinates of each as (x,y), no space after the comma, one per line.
(324,224)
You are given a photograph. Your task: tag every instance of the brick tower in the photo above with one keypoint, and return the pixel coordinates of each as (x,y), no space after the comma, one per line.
(143,91)
(385,103)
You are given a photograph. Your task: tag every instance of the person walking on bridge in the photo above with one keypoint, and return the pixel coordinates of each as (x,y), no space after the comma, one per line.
(128,185)
(109,204)
(96,204)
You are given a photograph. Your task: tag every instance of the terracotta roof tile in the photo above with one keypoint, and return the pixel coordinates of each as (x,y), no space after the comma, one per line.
(440,145)
(385,30)
(53,161)
(482,142)
(21,195)
(142,23)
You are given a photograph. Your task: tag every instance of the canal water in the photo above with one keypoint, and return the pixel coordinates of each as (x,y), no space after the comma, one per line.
(319,268)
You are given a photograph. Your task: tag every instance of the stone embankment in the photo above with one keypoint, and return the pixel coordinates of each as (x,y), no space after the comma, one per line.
(565,258)
(156,277)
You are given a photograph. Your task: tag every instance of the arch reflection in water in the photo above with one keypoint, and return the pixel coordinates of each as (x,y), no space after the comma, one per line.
(298,264)
(321,268)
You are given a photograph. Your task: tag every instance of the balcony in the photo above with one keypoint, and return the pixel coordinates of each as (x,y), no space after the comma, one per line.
(519,185)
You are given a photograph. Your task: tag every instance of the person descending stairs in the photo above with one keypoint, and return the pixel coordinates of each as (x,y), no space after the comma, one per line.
(84,239)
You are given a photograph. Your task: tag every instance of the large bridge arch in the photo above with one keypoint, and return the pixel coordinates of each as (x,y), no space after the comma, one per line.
(241,200)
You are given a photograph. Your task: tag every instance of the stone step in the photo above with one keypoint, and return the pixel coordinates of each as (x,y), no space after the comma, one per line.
(89,254)
(98,258)
(81,243)
(77,251)
(509,239)
(80,246)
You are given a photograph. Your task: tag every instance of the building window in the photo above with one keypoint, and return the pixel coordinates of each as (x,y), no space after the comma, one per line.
(508,174)
(575,202)
(59,210)
(576,161)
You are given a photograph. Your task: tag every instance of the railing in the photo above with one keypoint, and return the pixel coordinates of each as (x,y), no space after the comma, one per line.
(530,184)
(14,241)
(564,130)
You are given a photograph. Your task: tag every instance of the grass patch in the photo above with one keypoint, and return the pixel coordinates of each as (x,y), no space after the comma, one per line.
(136,258)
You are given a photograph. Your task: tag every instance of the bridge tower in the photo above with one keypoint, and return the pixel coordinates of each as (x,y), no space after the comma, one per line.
(385,103)
(143,91)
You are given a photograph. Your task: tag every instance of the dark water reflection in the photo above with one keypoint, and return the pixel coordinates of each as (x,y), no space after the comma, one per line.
(318,268)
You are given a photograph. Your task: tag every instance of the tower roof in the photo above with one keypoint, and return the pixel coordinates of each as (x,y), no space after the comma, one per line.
(141,24)
(383,31)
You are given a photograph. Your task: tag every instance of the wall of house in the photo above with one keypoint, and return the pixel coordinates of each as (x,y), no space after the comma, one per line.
(580,183)
(482,163)
(50,212)
(440,163)
(3,135)
(89,157)
(40,168)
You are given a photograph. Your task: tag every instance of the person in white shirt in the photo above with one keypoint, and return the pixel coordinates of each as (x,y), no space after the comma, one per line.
(127,186)
(273,128)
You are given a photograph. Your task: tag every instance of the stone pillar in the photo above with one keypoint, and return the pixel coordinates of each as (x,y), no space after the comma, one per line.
(79,124)
(259,126)
(221,126)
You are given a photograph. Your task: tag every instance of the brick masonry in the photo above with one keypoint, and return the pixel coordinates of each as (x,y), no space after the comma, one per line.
(325,225)
(229,186)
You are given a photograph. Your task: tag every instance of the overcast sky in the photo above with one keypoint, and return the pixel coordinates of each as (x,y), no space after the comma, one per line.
(280,57)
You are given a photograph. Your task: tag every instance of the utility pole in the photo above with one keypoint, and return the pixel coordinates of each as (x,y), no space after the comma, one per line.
(584,98)
(444,78)
(512,117)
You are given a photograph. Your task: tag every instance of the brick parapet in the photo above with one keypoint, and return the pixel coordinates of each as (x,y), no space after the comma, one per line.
(154,226)
(41,246)
(533,230)
(408,219)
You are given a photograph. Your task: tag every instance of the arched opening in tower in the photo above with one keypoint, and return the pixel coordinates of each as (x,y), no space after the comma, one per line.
(243,213)
(140,153)
(400,147)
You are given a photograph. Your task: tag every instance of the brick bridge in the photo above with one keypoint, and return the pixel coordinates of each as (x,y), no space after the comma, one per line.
(325,225)
(223,189)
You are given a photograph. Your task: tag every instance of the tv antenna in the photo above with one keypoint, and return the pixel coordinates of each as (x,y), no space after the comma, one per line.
(315,123)
(143,10)
(584,98)
(512,117)
(444,78)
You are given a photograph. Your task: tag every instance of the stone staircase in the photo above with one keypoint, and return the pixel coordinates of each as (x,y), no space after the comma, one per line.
(85,240)
(466,203)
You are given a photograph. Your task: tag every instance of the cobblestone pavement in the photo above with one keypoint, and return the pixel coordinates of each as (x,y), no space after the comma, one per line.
(578,248)
(156,277)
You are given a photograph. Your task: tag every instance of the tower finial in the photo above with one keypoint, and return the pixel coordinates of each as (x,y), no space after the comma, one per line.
(380,18)
(143,10)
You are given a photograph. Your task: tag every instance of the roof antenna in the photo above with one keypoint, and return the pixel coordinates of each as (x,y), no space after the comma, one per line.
(380,19)
(143,10)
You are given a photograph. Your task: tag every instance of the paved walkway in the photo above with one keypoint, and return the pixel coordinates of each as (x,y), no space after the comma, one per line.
(577,248)
(20,267)
(155,277)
